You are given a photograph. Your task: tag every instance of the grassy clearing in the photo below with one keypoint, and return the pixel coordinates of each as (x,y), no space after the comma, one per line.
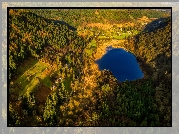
(123,36)
(46,81)
(118,37)
(31,74)
(90,49)
(66,83)
(92,43)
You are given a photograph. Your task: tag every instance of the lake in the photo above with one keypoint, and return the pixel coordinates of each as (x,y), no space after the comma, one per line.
(121,63)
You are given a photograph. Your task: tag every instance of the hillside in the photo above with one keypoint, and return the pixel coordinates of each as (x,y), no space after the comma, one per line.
(54,81)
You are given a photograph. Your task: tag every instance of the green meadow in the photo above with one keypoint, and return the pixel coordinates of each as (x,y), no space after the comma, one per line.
(30,75)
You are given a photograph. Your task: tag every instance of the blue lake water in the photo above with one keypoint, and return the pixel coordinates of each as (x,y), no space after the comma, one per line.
(121,63)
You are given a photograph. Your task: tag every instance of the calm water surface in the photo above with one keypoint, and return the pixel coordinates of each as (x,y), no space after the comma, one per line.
(121,63)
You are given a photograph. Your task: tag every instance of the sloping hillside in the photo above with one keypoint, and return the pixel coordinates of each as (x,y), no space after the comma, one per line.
(153,49)
(54,81)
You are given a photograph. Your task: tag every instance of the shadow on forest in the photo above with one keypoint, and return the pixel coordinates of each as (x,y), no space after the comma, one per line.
(151,27)
(159,92)
(42,93)
(27,64)
(17,86)
(156,24)
(163,63)
(148,69)
(55,21)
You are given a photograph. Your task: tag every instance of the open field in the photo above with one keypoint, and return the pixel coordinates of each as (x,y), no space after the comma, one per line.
(30,75)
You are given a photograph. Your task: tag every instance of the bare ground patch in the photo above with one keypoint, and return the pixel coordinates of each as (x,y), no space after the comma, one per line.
(42,94)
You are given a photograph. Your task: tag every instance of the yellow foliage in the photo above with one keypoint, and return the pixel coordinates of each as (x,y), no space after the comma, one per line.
(70,113)
(76,103)
(71,106)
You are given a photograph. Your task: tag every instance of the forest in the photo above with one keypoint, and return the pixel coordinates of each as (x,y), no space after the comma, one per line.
(54,81)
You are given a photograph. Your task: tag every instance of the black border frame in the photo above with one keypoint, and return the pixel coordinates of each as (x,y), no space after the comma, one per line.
(8,34)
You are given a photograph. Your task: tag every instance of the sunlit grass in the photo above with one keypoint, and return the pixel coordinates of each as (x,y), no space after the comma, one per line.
(89,52)
(66,83)
(123,36)
(29,78)
(90,49)
(92,43)
(47,82)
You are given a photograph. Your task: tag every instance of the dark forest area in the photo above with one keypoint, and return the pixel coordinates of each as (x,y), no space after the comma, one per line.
(54,81)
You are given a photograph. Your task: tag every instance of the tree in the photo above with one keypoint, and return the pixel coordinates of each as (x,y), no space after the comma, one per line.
(50,115)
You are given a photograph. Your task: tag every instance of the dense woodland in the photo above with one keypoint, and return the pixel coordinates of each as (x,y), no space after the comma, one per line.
(53,80)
